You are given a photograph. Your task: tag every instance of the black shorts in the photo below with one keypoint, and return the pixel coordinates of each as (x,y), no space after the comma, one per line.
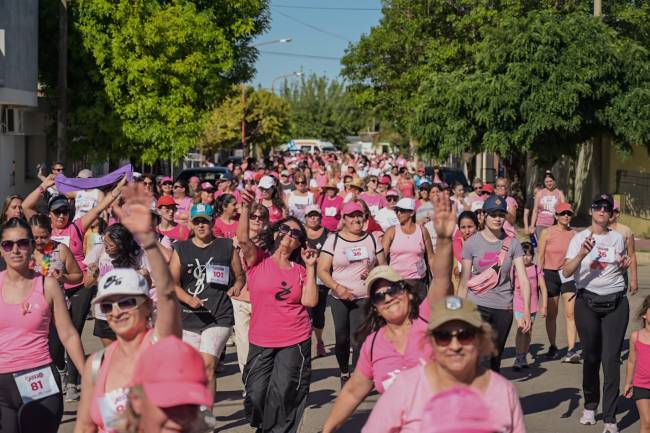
(103,330)
(554,284)
(640,393)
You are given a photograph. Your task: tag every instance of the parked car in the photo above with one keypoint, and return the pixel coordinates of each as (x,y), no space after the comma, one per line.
(451,176)
(309,146)
(210,174)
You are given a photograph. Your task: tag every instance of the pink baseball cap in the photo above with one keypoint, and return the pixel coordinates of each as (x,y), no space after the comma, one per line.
(172,373)
(351,207)
(460,409)
(166,179)
(488,188)
(562,207)
(313,208)
(207,186)
(385,180)
(392,192)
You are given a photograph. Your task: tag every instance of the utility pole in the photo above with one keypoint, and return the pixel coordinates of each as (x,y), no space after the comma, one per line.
(62,84)
(243,121)
(598,8)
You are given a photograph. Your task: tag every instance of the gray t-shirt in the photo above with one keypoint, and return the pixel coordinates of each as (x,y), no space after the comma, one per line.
(484,254)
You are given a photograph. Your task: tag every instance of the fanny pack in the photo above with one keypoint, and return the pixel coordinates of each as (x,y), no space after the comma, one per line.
(489,278)
(601,304)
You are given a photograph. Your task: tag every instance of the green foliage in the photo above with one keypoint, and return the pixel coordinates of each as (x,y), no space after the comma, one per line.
(322,109)
(160,66)
(267,121)
(543,82)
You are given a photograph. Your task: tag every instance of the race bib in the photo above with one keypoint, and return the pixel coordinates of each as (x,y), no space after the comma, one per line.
(86,205)
(354,254)
(330,211)
(218,274)
(96,239)
(548,203)
(36,384)
(603,254)
(65,240)
(111,406)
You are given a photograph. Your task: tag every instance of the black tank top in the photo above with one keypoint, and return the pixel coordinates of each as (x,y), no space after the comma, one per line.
(318,242)
(206,274)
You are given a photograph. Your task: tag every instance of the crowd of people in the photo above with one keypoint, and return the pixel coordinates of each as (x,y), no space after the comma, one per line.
(423,279)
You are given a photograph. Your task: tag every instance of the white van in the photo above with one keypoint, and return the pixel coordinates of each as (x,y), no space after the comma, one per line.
(310,146)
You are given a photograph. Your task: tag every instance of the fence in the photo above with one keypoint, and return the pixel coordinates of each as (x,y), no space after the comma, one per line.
(634,188)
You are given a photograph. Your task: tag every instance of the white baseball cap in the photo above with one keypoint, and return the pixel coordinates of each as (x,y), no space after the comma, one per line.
(266,182)
(406,204)
(121,281)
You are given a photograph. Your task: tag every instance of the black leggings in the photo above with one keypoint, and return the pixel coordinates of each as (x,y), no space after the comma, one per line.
(40,416)
(347,316)
(501,321)
(602,337)
(276,386)
(79,299)
(317,313)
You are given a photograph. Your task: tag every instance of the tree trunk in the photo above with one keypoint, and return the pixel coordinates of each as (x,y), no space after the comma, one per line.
(62,108)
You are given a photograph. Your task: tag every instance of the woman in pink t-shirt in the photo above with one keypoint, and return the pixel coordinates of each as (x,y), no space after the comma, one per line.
(502,188)
(460,339)
(395,323)
(544,208)
(330,204)
(373,199)
(183,202)
(225,225)
(277,374)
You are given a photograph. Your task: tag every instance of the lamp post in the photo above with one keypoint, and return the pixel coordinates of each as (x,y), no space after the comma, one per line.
(243,95)
(293,74)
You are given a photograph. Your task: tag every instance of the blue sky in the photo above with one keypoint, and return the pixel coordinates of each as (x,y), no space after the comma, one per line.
(338,28)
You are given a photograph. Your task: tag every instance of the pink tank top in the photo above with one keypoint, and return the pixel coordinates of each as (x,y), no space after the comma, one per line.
(557,245)
(24,329)
(642,366)
(107,406)
(72,236)
(407,253)
(546,207)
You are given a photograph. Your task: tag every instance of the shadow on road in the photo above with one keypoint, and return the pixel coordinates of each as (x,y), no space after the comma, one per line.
(631,413)
(549,400)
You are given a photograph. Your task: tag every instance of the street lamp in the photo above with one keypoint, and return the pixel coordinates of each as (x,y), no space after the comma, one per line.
(243,93)
(293,74)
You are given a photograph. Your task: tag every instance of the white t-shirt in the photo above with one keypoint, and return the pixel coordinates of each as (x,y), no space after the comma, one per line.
(386,218)
(599,271)
(84,201)
(298,203)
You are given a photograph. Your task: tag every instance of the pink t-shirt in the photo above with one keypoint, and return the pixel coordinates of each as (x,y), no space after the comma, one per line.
(509,228)
(72,236)
(178,233)
(401,408)
(184,205)
(534,274)
(381,363)
(278,318)
(223,230)
(351,260)
(546,202)
(331,208)
(374,202)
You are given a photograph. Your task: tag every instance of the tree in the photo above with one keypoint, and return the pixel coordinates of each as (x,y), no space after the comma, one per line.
(323,109)
(163,65)
(267,121)
(544,82)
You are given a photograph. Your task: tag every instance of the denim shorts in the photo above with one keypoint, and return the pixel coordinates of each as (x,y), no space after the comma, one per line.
(520,315)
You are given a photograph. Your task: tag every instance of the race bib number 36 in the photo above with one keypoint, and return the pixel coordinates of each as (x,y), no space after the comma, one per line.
(36,384)
(603,254)
(354,254)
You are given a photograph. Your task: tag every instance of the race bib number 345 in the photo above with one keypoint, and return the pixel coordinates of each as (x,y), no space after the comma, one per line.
(36,384)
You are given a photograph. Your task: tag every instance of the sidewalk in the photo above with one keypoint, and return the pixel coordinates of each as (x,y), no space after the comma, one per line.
(550,391)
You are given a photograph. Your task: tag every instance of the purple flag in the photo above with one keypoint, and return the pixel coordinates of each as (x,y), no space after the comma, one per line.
(69,184)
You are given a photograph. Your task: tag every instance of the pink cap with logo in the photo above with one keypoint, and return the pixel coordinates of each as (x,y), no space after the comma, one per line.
(351,207)
(460,409)
(172,373)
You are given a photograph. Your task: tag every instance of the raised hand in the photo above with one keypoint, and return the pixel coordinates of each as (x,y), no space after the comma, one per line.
(135,214)
(444,218)
(309,256)
(247,198)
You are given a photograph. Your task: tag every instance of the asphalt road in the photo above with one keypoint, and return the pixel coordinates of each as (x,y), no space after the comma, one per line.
(550,391)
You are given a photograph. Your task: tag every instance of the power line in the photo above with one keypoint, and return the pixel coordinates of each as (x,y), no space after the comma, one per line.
(309,56)
(318,29)
(324,8)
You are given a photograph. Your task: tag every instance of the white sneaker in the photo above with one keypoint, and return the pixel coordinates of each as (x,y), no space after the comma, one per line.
(610,428)
(588,417)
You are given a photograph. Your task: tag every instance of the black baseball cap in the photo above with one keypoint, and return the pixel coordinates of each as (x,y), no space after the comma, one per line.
(603,198)
(58,202)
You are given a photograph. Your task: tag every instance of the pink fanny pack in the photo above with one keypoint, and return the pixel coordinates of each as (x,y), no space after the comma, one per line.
(489,278)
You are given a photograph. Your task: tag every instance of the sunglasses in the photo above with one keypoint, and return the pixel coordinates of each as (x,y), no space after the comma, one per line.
(313,215)
(198,221)
(166,183)
(61,211)
(391,198)
(392,291)
(465,336)
(498,214)
(601,207)
(123,305)
(400,210)
(256,217)
(372,181)
(565,213)
(301,183)
(294,233)
(23,244)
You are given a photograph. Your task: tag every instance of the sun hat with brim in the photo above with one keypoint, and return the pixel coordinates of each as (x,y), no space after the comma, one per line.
(313,208)
(460,409)
(331,185)
(563,207)
(121,281)
(172,373)
(382,272)
(351,207)
(406,204)
(454,308)
(200,210)
(166,200)
(58,202)
(356,183)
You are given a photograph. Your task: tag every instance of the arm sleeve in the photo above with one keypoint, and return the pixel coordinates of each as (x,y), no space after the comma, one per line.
(328,246)
(574,247)
(467,250)
(515,248)
(364,366)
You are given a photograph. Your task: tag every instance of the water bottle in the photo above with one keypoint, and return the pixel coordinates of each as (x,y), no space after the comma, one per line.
(533,240)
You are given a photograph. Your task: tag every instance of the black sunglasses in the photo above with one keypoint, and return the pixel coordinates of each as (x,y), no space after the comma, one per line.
(602,207)
(391,198)
(124,304)
(294,233)
(166,183)
(392,291)
(61,211)
(197,221)
(256,217)
(464,335)
(23,244)
(400,210)
(565,213)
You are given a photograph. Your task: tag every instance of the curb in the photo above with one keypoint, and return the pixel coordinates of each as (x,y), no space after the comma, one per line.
(642,259)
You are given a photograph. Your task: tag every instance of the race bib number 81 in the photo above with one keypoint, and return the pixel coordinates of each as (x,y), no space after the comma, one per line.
(36,384)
